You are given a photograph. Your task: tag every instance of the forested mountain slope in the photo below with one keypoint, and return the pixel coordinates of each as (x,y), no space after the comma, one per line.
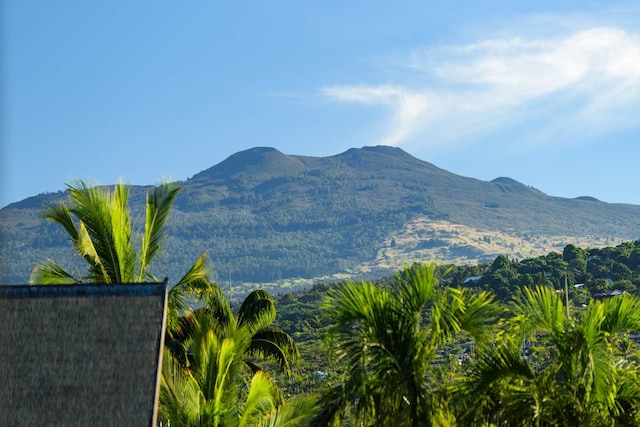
(264,216)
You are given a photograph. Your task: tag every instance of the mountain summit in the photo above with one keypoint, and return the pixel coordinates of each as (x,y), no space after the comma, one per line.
(256,161)
(264,216)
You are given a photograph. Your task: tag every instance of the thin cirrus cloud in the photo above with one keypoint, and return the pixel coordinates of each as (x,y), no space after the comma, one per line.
(588,81)
(408,107)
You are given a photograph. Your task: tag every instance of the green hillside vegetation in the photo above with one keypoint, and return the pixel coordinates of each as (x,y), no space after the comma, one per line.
(267,217)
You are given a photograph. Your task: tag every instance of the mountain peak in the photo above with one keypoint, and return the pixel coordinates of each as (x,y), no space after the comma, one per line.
(377,149)
(257,161)
(510,185)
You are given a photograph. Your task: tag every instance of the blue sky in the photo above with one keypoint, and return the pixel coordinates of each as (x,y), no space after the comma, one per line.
(146,91)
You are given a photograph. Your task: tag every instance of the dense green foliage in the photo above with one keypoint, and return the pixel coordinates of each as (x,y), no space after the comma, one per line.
(548,364)
(207,349)
(586,271)
(582,377)
(389,338)
(209,374)
(299,313)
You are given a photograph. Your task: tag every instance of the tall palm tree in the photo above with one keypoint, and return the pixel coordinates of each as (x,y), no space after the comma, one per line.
(212,392)
(99,226)
(388,338)
(578,380)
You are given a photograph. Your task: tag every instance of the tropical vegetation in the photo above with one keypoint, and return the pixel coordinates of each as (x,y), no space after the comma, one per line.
(209,349)
(98,224)
(218,388)
(537,342)
(390,337)
(583,376)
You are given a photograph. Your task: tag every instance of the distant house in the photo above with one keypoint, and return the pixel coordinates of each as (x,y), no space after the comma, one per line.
(81,355)
(471,279)
(602,295)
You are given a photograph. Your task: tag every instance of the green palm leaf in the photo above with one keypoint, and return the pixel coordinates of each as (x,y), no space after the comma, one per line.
(263,399)
(257,310)
(92,206)
(84,246)
(51,273)
(297,412)
(59,214)
(195,283)
(159,203)
(276,345)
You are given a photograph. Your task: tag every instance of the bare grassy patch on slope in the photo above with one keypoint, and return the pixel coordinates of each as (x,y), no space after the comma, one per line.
(442,241)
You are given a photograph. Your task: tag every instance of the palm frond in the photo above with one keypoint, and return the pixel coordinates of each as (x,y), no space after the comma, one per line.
(480,316)
(621,314)
(354,302)
(258,310)
(59,214)
(416,286)
(333,402)
(84,246)
(448,313)
(262,400)
(159,203)
(498,375)
(92,206)
(79,236)
(51,273)
(123,241)
(181,402)
(195,283)
(216,304)
(275,345)
(540,308)
(295,412)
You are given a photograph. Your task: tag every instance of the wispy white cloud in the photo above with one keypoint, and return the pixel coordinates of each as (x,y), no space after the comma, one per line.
(588,80)
(408,107)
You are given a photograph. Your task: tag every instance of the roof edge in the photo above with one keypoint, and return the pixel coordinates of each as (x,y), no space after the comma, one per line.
(83,290)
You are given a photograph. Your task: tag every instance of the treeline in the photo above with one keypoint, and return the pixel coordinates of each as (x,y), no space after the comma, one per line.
(587,272)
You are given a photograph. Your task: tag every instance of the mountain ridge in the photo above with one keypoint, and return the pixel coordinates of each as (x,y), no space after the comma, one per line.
(267,216)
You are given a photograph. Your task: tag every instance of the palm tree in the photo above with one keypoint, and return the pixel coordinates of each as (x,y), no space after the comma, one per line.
(388,339)
(255,316)
(578,380)
(99,226)
(212,392)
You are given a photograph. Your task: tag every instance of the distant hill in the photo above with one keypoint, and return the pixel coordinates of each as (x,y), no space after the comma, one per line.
(264,216)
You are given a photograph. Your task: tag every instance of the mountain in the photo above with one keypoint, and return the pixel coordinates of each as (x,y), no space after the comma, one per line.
(265,216)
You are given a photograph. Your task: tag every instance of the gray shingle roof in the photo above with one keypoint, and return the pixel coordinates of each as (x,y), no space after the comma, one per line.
(81,355)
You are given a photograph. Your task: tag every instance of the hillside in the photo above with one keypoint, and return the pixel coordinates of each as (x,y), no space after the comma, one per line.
(264,216)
